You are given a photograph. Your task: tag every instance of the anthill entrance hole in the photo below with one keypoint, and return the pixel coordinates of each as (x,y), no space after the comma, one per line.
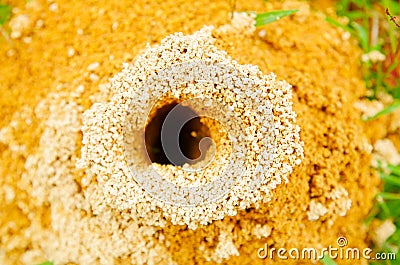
(189,136)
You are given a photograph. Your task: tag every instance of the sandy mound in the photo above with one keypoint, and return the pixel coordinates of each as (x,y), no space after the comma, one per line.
(62,56)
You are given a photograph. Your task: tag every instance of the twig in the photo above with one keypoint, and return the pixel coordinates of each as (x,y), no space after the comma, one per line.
(233,7)
(393,18)
(374,29)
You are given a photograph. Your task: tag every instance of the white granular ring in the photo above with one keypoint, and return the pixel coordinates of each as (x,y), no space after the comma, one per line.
(203,81)
(264,140)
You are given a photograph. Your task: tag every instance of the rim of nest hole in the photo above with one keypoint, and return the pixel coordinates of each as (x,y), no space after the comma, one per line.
(260,150)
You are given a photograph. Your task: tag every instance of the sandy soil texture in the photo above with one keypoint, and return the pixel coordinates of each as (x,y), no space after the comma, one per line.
(59,63)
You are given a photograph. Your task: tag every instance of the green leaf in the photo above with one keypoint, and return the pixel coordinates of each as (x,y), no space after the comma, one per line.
(327,260)
(269,17)
(5,12)
(385,111)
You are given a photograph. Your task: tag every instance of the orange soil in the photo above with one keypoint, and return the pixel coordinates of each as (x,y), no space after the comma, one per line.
(304,50)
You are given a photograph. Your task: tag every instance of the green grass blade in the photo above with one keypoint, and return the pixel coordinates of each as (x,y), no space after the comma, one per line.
(389,196)
(352,15)
(385,209)
(5,13)
(379,76)
(385,111)
(391,180)
(46,263)
(395,170)
(338,24)
(327,260)
(362,35)
(395,7)
(393,66)
(395,91)
(269,17)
